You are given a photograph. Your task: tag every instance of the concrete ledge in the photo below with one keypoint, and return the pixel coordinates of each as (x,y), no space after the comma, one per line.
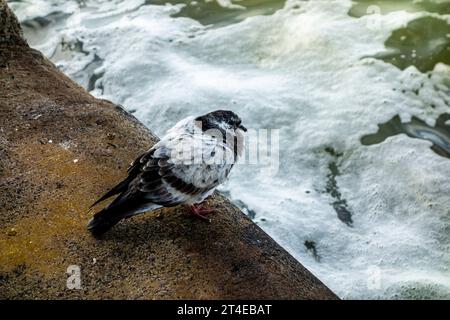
(60,148)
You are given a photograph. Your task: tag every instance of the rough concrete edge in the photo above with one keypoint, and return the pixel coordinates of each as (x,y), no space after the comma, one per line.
(10,30)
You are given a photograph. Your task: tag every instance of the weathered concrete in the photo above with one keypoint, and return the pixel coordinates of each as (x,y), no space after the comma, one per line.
(60,149)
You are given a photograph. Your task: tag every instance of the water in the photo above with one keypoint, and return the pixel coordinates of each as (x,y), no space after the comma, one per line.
(416,128)
(361,197)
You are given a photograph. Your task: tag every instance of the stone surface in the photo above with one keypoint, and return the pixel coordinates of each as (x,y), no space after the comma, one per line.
(60,149)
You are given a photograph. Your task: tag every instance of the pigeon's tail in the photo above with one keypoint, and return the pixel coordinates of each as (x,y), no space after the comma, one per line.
(103,221)
(108,217)
(111,215)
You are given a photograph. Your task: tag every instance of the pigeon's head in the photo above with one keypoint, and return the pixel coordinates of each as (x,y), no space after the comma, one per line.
(221,119)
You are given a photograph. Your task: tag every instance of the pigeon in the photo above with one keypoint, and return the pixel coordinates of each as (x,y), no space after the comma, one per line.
(183,168)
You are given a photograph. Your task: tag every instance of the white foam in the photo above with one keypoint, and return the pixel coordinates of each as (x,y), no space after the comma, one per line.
(300,70)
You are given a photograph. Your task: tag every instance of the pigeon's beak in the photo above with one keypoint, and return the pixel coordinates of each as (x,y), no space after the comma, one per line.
(242,128)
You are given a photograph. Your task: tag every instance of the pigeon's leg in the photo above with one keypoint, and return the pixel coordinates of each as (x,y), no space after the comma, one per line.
(197,211)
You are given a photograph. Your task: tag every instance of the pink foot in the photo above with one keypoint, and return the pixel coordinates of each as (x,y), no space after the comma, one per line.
(197,211)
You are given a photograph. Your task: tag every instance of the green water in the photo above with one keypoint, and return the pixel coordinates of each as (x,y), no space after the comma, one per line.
(212,13)
(361,7)
(424,42)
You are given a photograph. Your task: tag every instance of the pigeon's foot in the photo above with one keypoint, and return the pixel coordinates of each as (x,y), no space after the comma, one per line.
(199,212)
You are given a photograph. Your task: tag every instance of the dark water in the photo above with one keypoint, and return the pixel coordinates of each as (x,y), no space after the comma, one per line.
(439,135)
(339,203)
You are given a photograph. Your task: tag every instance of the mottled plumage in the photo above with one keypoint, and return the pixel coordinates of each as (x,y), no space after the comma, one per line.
(184,167)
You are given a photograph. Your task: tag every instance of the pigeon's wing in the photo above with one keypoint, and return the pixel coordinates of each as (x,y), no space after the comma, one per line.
(153,184)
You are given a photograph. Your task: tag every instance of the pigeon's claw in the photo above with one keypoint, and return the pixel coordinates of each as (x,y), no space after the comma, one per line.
(199,212)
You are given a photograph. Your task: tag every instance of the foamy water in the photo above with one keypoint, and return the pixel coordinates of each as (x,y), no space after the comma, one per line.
(306,70)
